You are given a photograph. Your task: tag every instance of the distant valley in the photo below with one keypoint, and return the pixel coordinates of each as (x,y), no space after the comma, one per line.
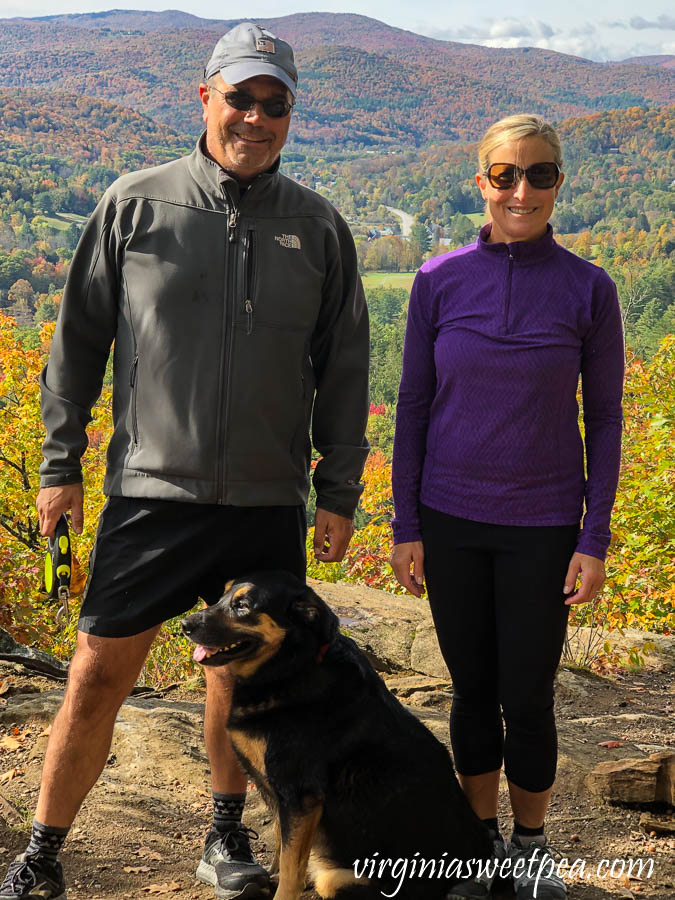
(386,121)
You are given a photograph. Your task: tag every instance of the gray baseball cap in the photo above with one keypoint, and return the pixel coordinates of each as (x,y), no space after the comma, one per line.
(248,50)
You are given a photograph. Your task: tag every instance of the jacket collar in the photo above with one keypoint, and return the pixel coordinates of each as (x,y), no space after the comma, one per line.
(522,251)
(215,179)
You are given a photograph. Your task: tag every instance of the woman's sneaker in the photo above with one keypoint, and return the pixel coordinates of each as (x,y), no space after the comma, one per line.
(33,878)
(479,888)
(533,868)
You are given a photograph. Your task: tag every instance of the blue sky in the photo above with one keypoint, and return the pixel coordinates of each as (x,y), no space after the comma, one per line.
(605,29)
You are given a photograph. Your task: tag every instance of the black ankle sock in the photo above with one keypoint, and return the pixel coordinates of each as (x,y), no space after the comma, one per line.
(493,825)
(227,810)
(521,833)
(46,841)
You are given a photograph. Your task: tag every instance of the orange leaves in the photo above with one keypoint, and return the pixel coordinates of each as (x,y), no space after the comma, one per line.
(15,740)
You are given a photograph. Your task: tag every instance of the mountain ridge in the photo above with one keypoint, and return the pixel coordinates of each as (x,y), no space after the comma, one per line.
(363,83)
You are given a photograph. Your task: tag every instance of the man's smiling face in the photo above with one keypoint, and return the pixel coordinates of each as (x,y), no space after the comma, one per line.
(244,143)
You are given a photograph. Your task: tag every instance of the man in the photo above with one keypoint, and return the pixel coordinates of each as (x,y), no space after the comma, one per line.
(236,310)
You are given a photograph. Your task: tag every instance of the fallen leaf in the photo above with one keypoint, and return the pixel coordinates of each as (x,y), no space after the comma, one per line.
(134,870)
(46,732)
(16,772)
(4,687)
(11,744)
(610,745)
(162,888)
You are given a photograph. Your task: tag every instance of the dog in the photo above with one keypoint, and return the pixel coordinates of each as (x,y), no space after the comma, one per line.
(360,789)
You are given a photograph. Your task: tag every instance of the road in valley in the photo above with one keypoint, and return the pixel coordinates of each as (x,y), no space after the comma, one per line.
(407,220)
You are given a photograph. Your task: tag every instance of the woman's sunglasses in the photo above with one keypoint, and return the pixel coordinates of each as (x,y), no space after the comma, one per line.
(274,107)
(504,176)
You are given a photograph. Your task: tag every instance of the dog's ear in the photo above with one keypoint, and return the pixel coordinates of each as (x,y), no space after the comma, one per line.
(309,608)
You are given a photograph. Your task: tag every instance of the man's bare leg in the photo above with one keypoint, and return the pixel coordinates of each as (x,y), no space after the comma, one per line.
(102,673)
(227,862)
(227,776)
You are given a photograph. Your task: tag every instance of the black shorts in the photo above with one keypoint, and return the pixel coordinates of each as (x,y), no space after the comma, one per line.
(154,559)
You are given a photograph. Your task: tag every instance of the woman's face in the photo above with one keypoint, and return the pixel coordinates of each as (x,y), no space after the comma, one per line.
(519,213)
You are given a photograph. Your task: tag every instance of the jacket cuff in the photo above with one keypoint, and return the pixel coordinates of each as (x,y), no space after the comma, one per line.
(342,507)
(405,534)
(593,544)
(61,478)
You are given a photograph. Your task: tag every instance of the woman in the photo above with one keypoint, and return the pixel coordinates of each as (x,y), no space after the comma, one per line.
(489,475)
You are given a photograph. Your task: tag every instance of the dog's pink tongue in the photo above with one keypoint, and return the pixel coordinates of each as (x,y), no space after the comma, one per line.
(200,653)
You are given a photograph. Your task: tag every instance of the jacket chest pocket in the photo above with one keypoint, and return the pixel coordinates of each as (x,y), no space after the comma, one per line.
(281,279)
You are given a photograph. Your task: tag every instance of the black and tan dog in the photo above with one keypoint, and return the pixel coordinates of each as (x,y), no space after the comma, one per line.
(358,785)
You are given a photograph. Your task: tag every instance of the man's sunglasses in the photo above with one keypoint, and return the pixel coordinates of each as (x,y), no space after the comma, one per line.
(504,176)
(274,107)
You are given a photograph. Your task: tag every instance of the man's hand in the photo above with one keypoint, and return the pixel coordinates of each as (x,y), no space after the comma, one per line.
(405,557)
(332,534)
(52,501)
(592,571)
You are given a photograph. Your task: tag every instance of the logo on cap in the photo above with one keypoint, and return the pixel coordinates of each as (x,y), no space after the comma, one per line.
(264,46)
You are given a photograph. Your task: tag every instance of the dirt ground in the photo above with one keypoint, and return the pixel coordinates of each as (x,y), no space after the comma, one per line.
(140,830)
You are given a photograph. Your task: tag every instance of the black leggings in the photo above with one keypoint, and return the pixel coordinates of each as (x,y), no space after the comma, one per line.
(496,596)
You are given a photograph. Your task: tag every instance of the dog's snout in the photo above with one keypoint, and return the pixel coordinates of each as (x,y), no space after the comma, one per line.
(187,627)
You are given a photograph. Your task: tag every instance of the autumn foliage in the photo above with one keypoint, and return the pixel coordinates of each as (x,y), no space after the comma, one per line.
(640,590)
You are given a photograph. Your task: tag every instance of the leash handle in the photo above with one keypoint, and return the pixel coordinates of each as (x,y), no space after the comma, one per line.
(58,569)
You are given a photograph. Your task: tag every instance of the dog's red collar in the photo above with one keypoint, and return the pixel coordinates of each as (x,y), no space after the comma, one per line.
(322,652)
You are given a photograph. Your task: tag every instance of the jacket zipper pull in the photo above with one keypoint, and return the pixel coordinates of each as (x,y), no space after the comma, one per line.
(248,306)
(232,225)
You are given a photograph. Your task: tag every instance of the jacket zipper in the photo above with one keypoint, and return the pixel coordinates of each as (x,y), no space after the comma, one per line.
(231,286)
(249,269)
(133,371)
(225,356)
(507,302)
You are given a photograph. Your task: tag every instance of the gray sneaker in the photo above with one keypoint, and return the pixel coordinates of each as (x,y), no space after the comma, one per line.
(533,869)
(479,888)
(33,878)
(229,866)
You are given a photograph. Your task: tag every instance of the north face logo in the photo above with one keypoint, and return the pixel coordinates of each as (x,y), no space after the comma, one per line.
(290,241)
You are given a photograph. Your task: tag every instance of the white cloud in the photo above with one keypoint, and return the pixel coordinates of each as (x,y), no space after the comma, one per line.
(596,40)
(663,22)
(491,29)
(509,28)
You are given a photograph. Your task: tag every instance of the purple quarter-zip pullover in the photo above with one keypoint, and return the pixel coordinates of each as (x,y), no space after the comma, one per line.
(487,421)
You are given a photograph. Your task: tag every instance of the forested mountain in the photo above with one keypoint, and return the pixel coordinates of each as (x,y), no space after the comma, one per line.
(362,83)
(666,60)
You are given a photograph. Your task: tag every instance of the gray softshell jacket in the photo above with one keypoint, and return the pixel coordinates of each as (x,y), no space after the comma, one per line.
(237,321)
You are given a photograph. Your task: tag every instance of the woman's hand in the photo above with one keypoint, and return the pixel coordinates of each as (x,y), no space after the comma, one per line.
(592,572)
(405,557)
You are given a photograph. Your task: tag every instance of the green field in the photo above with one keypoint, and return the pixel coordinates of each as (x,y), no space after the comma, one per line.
(476,218)
(388,279)
(61,221)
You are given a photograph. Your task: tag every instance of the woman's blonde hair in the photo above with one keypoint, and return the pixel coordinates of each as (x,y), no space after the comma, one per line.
(515,128)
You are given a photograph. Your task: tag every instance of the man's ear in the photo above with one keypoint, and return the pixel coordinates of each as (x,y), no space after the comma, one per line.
(309,608)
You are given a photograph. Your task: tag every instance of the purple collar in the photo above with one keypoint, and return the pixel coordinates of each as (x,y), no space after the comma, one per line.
(522,251)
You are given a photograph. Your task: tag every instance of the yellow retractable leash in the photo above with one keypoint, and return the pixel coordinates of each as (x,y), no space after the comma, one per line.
(58,568)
